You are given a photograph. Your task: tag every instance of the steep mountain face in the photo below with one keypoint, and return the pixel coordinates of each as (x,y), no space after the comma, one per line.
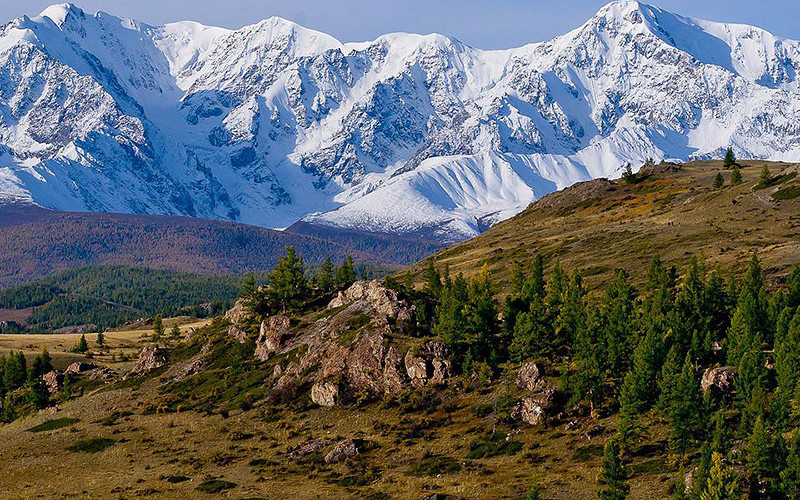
(409,134)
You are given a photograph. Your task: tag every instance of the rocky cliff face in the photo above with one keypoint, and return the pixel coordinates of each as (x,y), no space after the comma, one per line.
(274,122)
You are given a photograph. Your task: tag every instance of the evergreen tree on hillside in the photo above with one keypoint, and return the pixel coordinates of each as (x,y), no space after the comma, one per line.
(765,176)
(175,332)
(15,371)
(684,413)
(325,276)
(619,334)
(758,456)
(346,274)
(730,158)
(100,340)
(41,364)
(790,475)
(288,281)
(736,176)
(433,280)
(719,181)
(628,175)
(158,327)
(722,483)
(248,286)
(613,477)
(450,322)
(701,473)
(670,371)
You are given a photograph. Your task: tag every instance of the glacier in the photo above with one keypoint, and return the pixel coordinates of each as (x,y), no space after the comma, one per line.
(408,134)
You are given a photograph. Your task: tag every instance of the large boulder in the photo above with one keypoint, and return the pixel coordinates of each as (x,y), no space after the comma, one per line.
(428,366)
(533,409)
(151,358)
(384,301)
(529,378)
(54,380)
(271,335)
(238,313)
(325,393)
(79,367)
(341,452)
(720,381)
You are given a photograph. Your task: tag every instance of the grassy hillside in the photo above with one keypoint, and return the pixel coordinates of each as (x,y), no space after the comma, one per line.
(674,212)
(35,242)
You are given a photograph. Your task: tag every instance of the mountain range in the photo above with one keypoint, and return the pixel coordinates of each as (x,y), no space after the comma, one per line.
(413,135)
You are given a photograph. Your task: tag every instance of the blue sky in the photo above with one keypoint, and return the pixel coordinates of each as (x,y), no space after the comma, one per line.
(481,23)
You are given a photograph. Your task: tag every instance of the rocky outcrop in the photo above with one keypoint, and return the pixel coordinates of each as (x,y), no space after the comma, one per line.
(529,378)
(238,333)
(382,300)
(151,357)
(719,381)
(307,448)
(341,452)
(325,393)
(533,409)
(238,313)
(271,335)
(54,380)
(102,373)
(79,367)
(429,366)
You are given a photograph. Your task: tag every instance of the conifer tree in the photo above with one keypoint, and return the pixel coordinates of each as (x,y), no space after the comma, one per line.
(175,332)
(670,371)
(100,340)
(618,340)
(586,384)
(39,394)
(790,475)
(248,285)
(613,477)
(158,328)
(700,474)
(684,413)
(433,280)
(41,364)
(720,433)
(346,274)
(15,371)
(758,454)
(637,393)
(722,483)
(736,176)
(325,277)
(765,176)
(730,158)
(719,181)
(288,281)
(408,282)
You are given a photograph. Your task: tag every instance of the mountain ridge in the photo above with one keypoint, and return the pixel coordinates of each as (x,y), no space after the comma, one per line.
(275,123)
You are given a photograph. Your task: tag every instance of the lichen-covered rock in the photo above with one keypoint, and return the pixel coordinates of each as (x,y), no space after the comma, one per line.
(529,378)
(429,366)
(325,393)
(307,448)
(79,367)
(271,335)
(719,380)
(238,313)
(238,333)
(102,373)
(384,301)
(393,374)
(533,409)
(54,380)
(151,357)
(341,452)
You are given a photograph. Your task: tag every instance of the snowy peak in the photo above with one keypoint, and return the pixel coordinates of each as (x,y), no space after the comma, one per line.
(411,134)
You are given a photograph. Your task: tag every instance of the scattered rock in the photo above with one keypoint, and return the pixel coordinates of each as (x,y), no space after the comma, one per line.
(533,409)
(307,448)
(102,373)
(238,313)
(151,357)
(529,378)
(90,328)
(430,366)
(325,393)
(341,452)
(719,380)
(79,367)
(238,333)
(54,381)
(270,336)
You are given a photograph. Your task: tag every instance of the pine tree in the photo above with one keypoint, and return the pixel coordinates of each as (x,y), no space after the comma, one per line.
(248,286)
(637,395)
(158,327)
(613,477)
(100,340)
(39,394)
(450,323)
(586,384)
(790,475)
(325,276)
(700,475)
(288,281)
(41,364)
(408,282)
(684,413)
(346,274)
(736,176)
(175,332)
(628,175)
(719,181)
(720,433)
(670,371)
(758,455)
(765,176)
(15,371)
(722,483)
(730,158)
(433,280)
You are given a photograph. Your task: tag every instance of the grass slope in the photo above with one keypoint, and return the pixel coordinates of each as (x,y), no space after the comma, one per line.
(674,212)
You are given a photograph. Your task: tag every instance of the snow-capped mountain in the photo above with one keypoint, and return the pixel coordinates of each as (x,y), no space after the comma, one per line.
(411,134)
